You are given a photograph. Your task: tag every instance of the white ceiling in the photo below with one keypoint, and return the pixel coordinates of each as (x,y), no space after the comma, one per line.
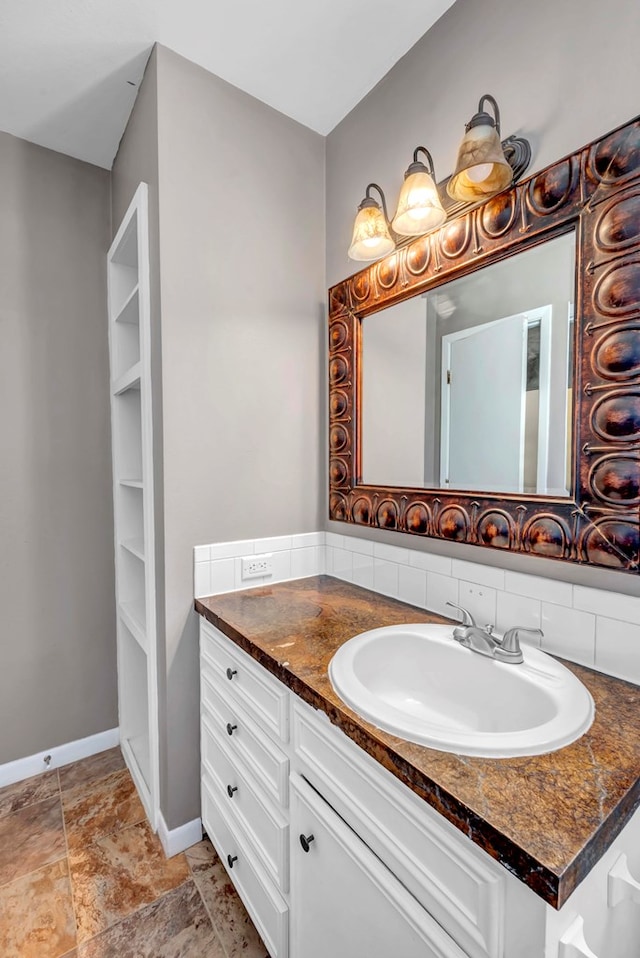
(69,69)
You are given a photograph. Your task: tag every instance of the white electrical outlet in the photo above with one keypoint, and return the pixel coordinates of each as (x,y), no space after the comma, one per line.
(254,567)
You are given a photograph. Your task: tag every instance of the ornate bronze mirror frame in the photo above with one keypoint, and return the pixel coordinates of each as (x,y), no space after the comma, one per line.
(595,191)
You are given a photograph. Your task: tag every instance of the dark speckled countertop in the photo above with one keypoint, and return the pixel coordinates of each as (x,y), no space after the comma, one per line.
(546,818)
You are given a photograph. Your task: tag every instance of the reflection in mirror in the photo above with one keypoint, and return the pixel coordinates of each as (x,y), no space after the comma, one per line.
(468,386)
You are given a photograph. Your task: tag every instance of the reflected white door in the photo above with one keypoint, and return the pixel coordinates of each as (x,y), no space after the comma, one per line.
(483,406)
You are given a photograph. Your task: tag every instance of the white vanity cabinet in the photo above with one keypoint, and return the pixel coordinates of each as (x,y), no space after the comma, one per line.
(384,873)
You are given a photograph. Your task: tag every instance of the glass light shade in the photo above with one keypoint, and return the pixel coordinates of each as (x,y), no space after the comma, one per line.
(419,207)
(371,238)
(482,168)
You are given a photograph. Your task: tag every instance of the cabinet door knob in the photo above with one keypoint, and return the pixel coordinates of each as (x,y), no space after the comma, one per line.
(231,673)
(231,789)
(231,728)
(231,859)
(306,842)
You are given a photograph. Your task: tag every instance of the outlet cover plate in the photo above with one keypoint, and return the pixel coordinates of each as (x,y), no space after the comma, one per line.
(255,567)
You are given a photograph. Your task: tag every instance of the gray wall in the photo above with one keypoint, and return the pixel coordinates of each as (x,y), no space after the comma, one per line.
(563,74)
(58,674)
(241,248)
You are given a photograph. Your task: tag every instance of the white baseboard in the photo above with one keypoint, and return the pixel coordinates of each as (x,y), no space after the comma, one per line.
(21,768)
(175,840)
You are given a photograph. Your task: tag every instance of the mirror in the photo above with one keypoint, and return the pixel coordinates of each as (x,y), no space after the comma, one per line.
(446,372)
(550,465)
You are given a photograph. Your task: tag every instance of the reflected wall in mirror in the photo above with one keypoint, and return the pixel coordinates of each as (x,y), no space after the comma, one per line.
(469,386)
(566,485)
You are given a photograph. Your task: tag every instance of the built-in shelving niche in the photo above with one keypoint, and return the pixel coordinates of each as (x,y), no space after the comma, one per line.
(129,346)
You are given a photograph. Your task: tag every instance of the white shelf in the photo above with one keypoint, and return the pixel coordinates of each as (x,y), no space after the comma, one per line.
(129,312)
(133,616)
(135,547)
(131,483)
(129,380)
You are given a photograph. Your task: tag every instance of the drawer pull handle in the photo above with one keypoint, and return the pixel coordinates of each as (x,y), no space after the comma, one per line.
(231,860)
(306,842)
(231,728)
(231,789)
(231,673)
(622,885)
(572,943)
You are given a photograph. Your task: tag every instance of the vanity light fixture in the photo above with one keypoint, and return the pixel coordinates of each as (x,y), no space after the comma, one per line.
(482,168)
(419,207)
(371,237)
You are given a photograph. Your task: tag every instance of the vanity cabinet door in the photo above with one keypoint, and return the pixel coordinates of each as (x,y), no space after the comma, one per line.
(344,901)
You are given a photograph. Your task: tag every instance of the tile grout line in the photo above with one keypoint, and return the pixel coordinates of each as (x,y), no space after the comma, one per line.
(27,804)
(44,864)
(113,830)
(138,911)
(206,908)
(66,845)
(40,868)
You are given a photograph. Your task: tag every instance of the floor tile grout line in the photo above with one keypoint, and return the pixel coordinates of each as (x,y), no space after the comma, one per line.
(113,831)
(54,861)
(28,804)
(66,845)
(138,911)
(91,782)
(206,908)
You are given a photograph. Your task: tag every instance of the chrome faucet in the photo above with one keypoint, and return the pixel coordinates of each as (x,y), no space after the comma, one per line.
(481,640)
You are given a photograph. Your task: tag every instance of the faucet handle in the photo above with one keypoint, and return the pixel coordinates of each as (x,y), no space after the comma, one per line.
(511,638)
(467,618)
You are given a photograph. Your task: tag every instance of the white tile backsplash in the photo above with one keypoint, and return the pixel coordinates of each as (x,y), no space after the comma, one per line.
(569,633)
(385,577)
(202,553)
(202,578)
(591,626)
(223,577)
(362,570)
(304,562)
(547,590)
(518,610)
(440,590)
(618,648)
(275,544)
(430,562)
(390,553)
(479,600)
(281,564)
(480,574)
(342,563)
(363,546)
(412,585)
(610,604)
(230,550)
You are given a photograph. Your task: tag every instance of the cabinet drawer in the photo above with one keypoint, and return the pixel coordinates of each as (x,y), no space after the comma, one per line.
(263,697)
(266,907)
(266,761)
(266,828)
(447,875)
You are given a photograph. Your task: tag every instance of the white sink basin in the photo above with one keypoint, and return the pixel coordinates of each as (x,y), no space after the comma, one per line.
(418,683)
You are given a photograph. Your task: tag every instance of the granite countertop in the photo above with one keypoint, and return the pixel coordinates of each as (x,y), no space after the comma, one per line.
(546,818)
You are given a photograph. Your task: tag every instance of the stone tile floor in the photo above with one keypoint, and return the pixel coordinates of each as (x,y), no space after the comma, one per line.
(83,876)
